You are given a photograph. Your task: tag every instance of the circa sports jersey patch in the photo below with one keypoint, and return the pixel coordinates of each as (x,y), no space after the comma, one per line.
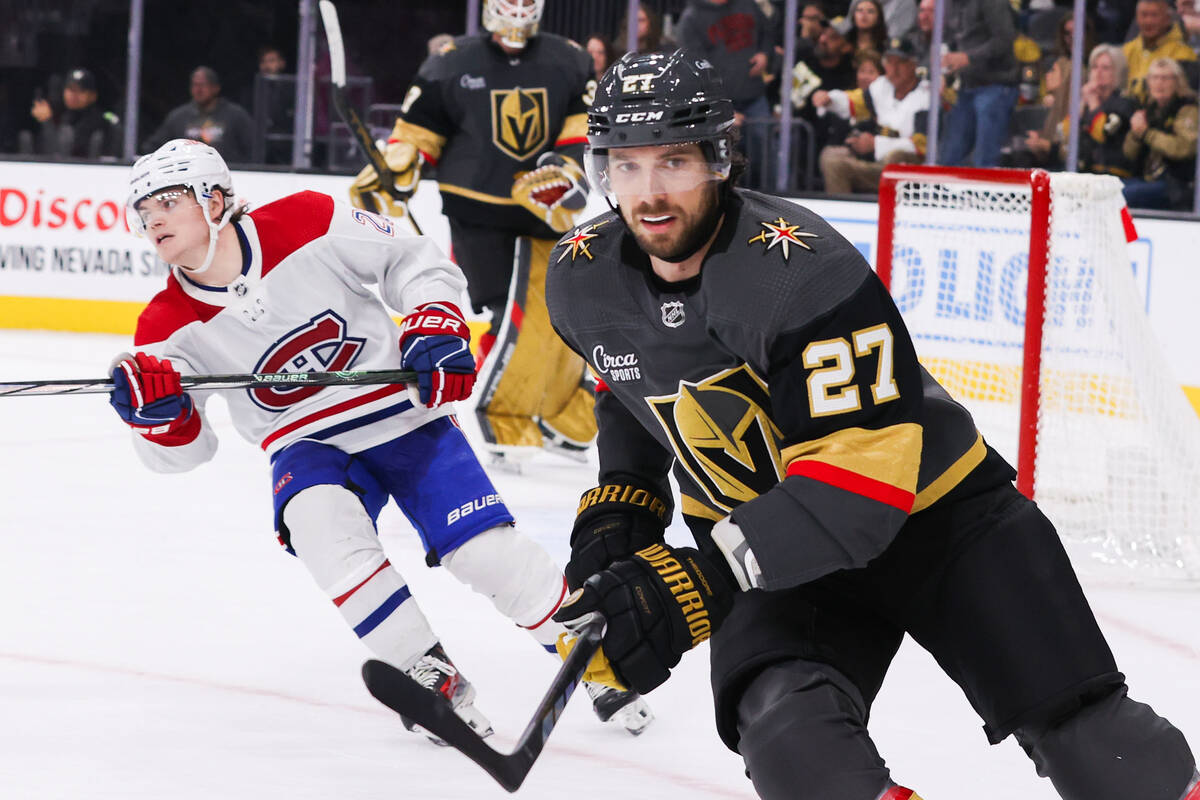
(579,241)
(616,368)
(672,313)
(781,233)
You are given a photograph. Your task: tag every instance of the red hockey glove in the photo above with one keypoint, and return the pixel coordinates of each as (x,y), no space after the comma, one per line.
(435,343)
(659,604)
(148,396)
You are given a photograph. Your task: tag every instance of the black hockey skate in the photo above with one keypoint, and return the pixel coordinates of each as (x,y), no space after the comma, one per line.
(626,707)
(435,672)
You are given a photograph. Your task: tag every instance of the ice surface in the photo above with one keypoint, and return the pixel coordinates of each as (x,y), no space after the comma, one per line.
(156,642)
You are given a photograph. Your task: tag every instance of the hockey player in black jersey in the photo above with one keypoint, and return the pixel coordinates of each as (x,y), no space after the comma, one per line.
(503,116)
(838,496)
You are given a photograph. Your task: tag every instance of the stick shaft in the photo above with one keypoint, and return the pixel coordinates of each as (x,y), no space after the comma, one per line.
(249,380)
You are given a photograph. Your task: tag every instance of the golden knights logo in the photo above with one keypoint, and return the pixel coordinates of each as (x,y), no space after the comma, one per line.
(782,233)
(723,436)
(519,121)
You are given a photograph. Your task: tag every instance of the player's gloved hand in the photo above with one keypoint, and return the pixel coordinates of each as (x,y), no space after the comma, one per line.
(599,670)
(555,192)
(404,160)
(148,396)
(435,343)
(659,604)
(614,521)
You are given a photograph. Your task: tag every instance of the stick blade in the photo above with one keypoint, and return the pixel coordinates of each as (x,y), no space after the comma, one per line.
(408,698)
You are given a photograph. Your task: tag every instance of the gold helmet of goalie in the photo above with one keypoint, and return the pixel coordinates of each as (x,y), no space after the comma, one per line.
(514,21)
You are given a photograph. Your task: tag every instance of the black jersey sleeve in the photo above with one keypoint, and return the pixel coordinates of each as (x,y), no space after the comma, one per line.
(425,120)
(626,448)
(847,396)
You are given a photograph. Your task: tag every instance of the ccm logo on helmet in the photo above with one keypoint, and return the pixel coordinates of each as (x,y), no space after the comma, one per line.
(640,116)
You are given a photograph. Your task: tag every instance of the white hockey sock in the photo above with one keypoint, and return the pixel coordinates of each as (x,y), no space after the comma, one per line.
(517,575)
(336,540)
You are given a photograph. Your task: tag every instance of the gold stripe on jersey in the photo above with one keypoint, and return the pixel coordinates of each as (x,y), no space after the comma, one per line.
(691,507)
(471,194)
(423,139)
(943,483)
(890,455)
(574,130)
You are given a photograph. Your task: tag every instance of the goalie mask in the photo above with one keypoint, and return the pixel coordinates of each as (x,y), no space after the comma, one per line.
(193,165)
(515,21)
(659,99)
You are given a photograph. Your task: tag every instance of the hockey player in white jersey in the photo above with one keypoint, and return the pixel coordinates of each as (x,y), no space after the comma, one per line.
(285,289)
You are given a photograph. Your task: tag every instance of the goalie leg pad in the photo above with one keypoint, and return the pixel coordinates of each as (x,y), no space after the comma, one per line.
(1111,748)
(804,735)
(516,574)
(334,537)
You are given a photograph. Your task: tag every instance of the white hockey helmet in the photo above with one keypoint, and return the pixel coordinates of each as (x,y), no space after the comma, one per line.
(516,21)
(182,162)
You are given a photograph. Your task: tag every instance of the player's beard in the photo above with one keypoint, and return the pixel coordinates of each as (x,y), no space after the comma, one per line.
(694,228)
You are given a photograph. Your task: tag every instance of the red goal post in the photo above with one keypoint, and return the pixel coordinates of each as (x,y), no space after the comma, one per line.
(1017,288)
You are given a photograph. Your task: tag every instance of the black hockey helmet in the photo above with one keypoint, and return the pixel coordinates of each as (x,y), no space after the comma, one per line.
(648,99)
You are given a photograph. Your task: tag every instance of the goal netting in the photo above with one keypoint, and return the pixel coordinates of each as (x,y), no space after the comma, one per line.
(1018,290)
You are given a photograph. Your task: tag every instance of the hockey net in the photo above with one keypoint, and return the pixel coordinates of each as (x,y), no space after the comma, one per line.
(1076,393)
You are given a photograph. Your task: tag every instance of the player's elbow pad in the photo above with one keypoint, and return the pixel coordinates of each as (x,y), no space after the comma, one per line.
(803,529)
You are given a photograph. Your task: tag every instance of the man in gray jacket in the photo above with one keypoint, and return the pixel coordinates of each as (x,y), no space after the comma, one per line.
(983,69)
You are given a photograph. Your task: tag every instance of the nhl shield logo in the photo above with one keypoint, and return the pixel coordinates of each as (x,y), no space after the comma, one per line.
(672,314)
(519,121)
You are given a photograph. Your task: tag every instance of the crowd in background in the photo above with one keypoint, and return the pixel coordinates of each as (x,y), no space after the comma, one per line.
(859,91)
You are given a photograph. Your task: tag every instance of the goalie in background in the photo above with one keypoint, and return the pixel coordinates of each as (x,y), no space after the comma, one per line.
(502,116)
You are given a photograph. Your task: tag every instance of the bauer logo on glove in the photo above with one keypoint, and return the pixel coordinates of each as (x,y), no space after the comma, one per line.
(555,192)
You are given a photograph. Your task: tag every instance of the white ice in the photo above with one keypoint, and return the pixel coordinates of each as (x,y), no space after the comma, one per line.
(156,642)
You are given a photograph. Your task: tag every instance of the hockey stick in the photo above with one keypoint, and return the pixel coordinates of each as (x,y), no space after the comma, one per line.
(251,380)
(337,69)
(408,698)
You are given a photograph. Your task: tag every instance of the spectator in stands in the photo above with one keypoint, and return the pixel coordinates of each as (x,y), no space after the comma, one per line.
(868,31)
(601,49)
(77,128)
(1189,18)
(868,65)
(279,102)
(650,37)
(981,62)
(831,66)
(1104,114)
(1158,37)
(922,35)
(734,37)
(208,118)
(884,130)
(1046,147)
(1161,143)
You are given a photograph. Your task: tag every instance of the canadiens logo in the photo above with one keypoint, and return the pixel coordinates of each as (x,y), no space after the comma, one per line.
(781,233)
(579,242)
(672,313)
(320,345)
(519,120)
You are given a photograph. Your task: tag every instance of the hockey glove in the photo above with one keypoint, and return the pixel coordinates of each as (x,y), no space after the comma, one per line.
(148,396)
(614,521)
(659,604)
(555,192)
(404,160)
(435,343)
(599,670)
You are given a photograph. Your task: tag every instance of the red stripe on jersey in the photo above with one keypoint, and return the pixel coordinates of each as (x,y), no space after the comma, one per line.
(853,482)
(557,604)
(570,141)
(897,793)
(334,409)
(1131,234)
(431,160)
(289,223)
(337,601)
(601,386)
(169,311)
(517,315)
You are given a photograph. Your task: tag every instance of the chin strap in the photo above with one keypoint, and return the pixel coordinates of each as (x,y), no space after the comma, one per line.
(213,229)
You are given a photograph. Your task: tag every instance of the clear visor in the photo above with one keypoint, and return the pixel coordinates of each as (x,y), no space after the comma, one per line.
(139,213)
(653,170)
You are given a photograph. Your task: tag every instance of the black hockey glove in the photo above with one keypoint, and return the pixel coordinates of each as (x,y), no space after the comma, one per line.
(659,604)
(614,521)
